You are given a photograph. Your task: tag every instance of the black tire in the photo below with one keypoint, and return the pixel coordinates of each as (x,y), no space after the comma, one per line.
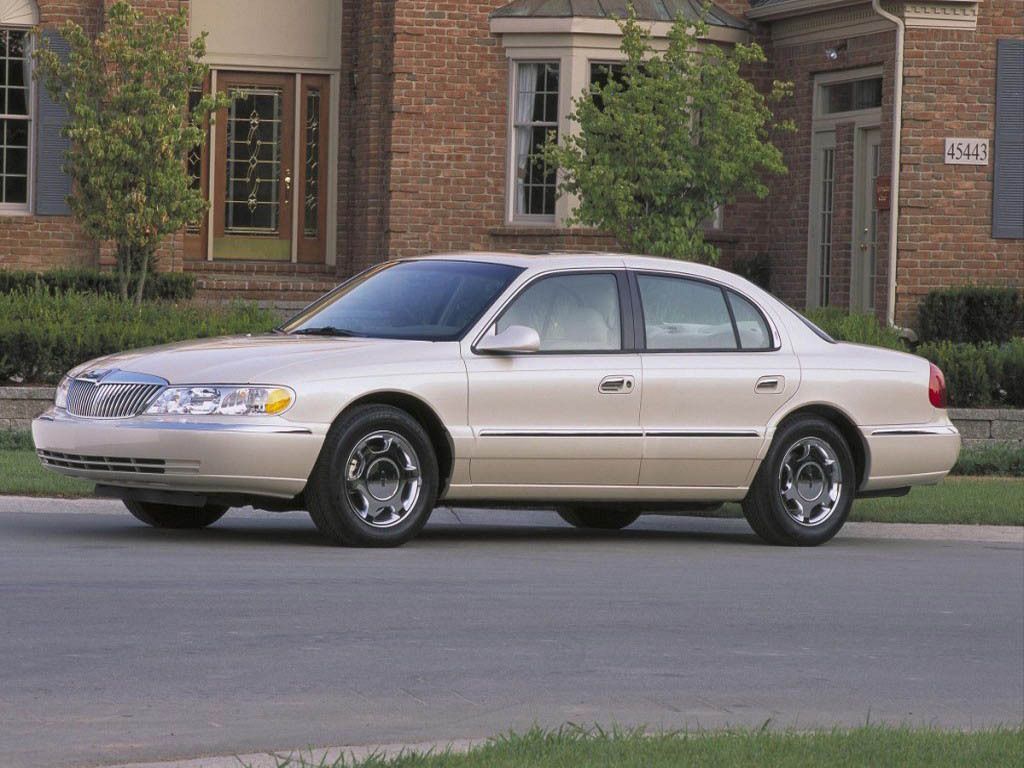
(770,516)
(174,517)
(328,498)
(597,518)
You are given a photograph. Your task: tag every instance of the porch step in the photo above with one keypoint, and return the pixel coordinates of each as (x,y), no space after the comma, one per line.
(284,292)
(251,268)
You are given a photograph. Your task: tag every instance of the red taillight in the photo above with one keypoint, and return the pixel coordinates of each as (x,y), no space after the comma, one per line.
(936,387)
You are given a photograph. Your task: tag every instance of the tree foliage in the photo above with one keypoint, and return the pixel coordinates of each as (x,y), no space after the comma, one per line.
(130,129)
(668,139)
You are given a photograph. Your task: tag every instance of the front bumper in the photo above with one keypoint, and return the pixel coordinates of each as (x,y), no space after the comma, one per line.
(251,456)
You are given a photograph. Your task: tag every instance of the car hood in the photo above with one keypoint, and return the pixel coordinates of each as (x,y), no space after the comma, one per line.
(256,359)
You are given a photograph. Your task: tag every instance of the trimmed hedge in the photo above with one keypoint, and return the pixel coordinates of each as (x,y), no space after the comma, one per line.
(43,335)
(856,329)
(970,314)
(999,460)
(171,286)
(980,375)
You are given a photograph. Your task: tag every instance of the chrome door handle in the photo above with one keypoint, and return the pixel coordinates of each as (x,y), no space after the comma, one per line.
(616,385)
(769,384)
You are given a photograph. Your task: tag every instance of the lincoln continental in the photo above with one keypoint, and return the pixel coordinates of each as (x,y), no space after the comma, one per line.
(602,386)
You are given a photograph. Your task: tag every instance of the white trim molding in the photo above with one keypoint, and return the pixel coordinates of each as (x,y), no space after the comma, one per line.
(941,14)
(795,22)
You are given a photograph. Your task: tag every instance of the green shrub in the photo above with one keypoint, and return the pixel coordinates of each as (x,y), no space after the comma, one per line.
(757,269)
(970,314)
(980,374)
(1001,460)
(172,286)
(42,335)
(856,329)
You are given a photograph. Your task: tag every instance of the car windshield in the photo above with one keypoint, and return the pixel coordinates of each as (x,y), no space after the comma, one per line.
(428,300)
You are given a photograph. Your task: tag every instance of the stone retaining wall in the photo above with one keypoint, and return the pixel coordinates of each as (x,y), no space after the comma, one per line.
(989,426)
(978,426)
(19,405)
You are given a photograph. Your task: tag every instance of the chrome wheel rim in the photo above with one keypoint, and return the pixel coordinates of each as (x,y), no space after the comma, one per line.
(810,482)
(383,479)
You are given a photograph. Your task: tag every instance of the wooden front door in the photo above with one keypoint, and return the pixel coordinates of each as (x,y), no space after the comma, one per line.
(254,178)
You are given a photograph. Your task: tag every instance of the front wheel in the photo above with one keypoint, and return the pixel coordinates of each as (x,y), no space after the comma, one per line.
(376,480)
(600,519)
(175,517)
(804,489)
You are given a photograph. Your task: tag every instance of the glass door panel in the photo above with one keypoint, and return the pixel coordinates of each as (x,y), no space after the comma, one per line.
(255,150)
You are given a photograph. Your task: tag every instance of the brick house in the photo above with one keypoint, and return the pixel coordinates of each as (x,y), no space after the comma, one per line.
(369,129)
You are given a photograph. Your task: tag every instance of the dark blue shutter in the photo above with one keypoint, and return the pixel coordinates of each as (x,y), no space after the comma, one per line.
(1008,178)
(52,185)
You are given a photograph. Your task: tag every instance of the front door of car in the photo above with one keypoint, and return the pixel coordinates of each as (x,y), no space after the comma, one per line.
(714,374)
(567,414)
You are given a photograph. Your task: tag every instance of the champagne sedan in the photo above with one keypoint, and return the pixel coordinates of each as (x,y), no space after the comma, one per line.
(604,386)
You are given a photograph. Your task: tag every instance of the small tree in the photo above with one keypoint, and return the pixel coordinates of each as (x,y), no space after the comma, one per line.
(668,139)
(130,129)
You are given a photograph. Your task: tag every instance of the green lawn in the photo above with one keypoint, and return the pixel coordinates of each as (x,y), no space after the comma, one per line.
(963,500)
(873,746)
(21,474)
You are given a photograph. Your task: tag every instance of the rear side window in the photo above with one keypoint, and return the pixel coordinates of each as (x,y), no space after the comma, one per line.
(681,314)
(750,324)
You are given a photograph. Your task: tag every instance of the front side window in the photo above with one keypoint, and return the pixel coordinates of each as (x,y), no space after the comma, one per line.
(535,118)
(571,313)
(429,300)
(15,119)
(681,314)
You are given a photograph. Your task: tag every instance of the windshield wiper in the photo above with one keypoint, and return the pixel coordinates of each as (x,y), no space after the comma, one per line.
(325,331)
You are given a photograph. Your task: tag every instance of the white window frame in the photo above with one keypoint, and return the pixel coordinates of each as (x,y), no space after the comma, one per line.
(24,209)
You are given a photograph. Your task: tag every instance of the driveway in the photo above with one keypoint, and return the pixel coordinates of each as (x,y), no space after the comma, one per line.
(119,643)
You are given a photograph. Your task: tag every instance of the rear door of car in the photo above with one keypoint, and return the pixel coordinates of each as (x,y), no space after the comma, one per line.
(715,371)
(567,415)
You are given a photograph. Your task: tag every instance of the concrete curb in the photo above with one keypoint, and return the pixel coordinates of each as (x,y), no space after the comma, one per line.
(325,756)
(1002,534)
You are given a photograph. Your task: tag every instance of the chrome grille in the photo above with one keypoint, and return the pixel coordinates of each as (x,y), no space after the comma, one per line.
(109,401)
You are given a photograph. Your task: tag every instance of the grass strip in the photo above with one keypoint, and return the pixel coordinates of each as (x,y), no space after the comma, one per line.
(573,747)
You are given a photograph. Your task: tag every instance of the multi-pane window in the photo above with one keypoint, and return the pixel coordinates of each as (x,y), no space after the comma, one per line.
(828,164)
(535,118)
(853,95)
(15,118)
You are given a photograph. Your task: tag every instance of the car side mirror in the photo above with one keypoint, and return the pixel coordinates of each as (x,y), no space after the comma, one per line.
(515,339)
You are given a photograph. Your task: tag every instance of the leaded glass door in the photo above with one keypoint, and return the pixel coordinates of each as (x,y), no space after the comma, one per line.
(254,182)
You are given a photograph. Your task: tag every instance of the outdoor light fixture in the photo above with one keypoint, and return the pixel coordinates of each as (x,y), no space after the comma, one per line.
(832,54)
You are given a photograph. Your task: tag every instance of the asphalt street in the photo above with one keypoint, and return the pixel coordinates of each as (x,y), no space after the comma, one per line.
(119,643)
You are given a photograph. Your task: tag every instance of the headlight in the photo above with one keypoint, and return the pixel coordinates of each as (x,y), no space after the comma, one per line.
(222,401)
(61,400)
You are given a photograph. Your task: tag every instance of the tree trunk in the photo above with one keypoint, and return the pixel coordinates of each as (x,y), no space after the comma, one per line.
(124,270)
(145,255)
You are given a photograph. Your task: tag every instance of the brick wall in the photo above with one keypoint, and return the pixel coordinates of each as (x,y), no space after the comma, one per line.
(945,235)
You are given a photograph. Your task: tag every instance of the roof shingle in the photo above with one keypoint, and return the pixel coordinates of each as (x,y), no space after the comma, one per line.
(646,10)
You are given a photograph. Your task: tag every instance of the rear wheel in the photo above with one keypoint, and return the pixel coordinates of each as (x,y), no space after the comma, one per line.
(601,519)
(376,480)
(175,517)
(804,489)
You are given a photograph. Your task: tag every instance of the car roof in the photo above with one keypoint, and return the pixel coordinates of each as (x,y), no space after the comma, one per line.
(560,260)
